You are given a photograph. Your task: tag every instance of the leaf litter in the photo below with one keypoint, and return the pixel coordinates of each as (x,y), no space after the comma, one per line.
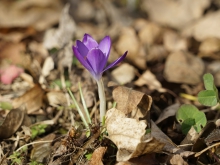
(168,54)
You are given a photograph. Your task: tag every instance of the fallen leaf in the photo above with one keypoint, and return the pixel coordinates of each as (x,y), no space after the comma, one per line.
(210,45)
(149,33)
(32,99)
(37,13)
(123,74)
(42,149)
(14,53)
(174,42)
(11,123)
(177,160)
(56,98)
(167,112)
(188,68)
(128,135)
(97,155)
(175,14)
(206,27)
(57,38)
(149,79)
(129,41)
(133,103)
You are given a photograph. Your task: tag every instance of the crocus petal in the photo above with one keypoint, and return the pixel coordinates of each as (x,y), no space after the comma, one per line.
(82,49)
(105,45)
(82,59)
(116,62)
(89,42)
(97,60)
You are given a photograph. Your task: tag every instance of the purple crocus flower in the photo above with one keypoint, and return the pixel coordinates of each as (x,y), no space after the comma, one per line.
(94,56)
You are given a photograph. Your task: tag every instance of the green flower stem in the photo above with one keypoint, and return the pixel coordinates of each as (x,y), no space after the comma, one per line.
(102,99)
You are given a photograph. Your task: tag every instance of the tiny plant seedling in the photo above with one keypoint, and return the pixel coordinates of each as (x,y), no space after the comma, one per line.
(188,116)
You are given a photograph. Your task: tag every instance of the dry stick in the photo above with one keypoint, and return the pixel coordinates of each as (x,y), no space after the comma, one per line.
(74,157)
(199,153)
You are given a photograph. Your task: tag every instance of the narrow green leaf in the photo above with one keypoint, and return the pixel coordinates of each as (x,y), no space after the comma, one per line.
(208,98)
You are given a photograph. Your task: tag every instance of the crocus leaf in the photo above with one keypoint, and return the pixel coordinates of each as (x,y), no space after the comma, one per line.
(208,98)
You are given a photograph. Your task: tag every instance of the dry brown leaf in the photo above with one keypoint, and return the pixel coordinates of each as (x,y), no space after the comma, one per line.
(176,14)
(57,38)
(14,53)
(42,151)
(129,41)
(149,33)
(183,67)
(97,155)
(32,99)
(177,160)
(125,73)
(16,34)
(169,146)
(209,46)
(11,123)
(128,135)
(133,103)
(56,98)
(149,79)
(169,111)
(37,13)
(156,53)
(174,42)
(206,27)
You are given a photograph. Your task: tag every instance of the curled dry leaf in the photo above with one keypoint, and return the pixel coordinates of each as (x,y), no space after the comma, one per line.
(128,136)
(149,79)
(97,155)
(133,103)
(11,123)
(125,73)
(32,99)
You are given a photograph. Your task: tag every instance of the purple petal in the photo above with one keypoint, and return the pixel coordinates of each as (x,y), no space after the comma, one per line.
(116,62)
(82,49)
(89,42)
(97,60)
(82,59)
(105,45)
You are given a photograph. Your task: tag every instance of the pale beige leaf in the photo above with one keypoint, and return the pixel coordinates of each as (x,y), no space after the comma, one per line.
(125,73)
